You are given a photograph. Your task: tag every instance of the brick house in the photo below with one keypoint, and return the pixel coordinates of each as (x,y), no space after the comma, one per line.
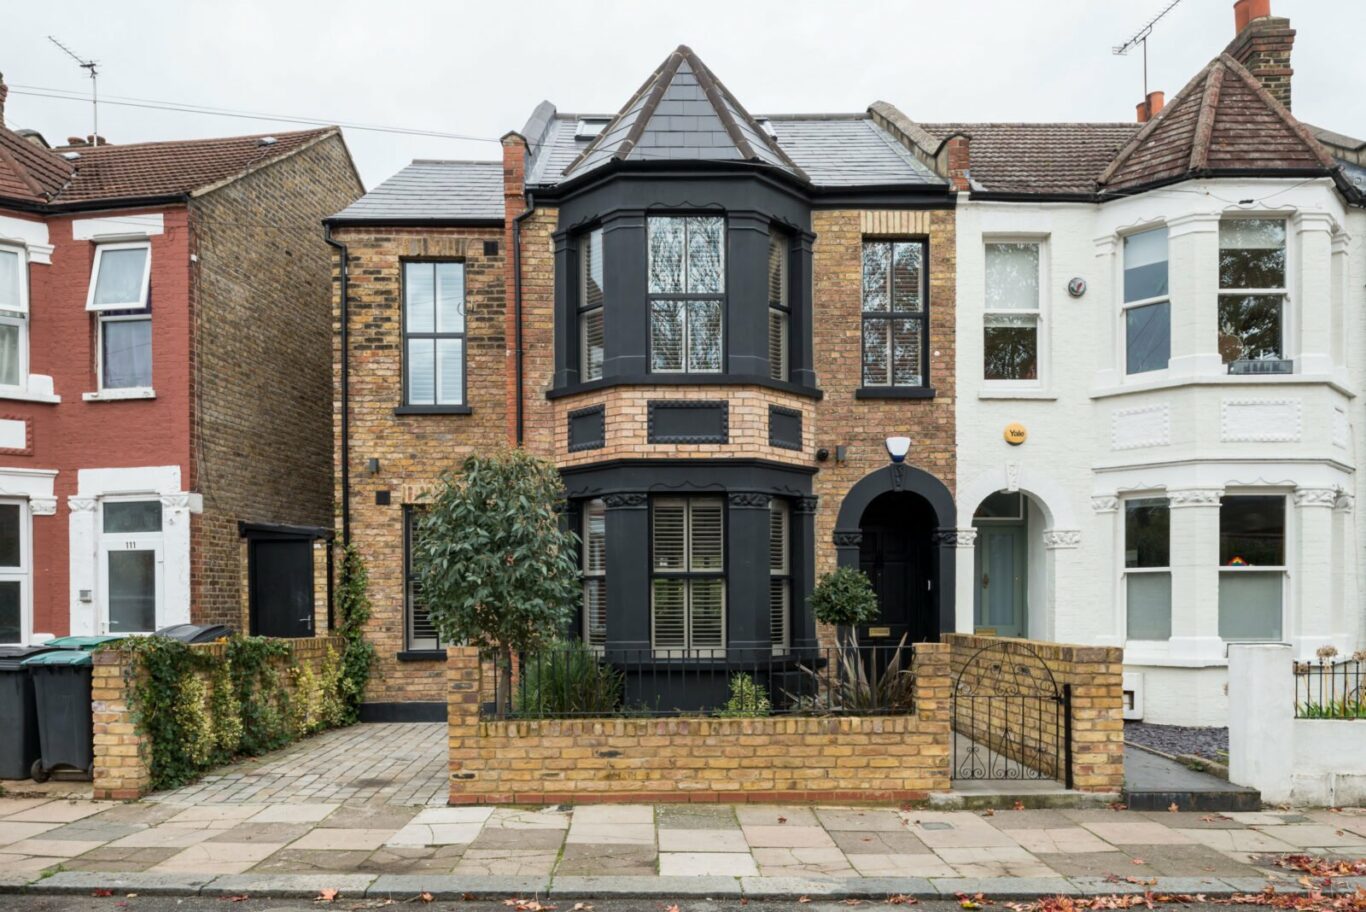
(164,332)
(711,322)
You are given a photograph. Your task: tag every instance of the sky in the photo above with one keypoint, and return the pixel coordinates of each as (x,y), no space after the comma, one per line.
(478,69)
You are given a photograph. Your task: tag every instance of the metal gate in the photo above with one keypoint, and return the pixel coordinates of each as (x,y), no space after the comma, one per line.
(1011,720)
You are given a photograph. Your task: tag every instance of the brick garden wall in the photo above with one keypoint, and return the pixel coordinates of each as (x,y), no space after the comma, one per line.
(1037,731)
(699,759)
(122,753)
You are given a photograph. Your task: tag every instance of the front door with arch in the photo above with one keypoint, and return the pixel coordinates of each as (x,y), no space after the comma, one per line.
(1001,566)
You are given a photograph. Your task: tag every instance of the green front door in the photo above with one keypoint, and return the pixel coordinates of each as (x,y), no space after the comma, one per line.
(1001,578)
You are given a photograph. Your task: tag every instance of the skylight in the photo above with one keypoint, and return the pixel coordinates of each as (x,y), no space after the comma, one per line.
(589,127)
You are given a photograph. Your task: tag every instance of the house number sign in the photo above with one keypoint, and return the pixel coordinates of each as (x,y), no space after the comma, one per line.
(1015,433)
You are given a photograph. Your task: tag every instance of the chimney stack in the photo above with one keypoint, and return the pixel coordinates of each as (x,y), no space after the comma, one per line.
(1151,106)
(4,93)
(1263,44)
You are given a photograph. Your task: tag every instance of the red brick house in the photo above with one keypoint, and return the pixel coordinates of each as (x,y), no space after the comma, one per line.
(164,380)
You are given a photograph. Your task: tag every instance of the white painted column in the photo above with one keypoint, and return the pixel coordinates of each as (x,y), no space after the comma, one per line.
(1261,717)
(1105,559)
(81,556)
(1310,622)
(1195,573)
(1193,277)
(964,579)
(175,538)
(1108,289)
(1311,293)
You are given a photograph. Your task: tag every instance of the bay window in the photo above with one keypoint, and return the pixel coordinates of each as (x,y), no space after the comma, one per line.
(1147,569)
(895,315)
(688,579)
(1251,566)
(1011,332)
(434,334)
(1147,305)
(779,310)
(13,316)
(686,287)
(1252,294)
(590,305)
(780,574)
(594,571)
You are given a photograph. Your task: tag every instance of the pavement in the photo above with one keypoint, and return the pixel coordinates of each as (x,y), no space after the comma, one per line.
(353,811)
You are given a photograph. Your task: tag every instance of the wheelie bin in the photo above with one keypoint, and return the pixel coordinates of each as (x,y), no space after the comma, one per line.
(61,688)
(18,712)
(196,633)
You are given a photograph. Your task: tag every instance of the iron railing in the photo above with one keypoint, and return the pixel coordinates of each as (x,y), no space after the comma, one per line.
(575,682)
(1330,690)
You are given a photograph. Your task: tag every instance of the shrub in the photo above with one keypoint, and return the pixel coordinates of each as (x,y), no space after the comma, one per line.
(568,679)
(747,699)
(844,597)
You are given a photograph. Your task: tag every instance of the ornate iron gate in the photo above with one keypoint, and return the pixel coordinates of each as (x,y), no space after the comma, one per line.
(1011,720)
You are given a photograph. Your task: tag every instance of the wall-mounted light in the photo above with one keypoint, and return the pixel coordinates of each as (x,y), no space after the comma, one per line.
(372,466)
(898,447)
(841,453)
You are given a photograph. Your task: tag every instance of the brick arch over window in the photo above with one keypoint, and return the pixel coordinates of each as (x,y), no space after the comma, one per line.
(903,478)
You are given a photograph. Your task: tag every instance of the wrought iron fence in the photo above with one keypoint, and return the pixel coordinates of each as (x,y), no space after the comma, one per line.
(1330,690)
(572,681)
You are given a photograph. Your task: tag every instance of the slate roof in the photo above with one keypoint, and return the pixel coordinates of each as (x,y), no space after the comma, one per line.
(682,112)
(1047,158)
(848,151)
(110,173)
(436,191)
(1223,121)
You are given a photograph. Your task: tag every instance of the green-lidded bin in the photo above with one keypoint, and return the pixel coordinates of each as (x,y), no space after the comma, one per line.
(61,688)
(18,712)
(86,643)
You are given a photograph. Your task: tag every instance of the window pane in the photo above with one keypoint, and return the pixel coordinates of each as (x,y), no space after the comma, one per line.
(1249,327)
(1252,253)
(778,513)
(705,544)
(666,335)
(422,371)
(777,344)
(120,277)
(595,611)
(706,255)
(1010,348)
(777,269)
(9,354)
(591,343)
(422,633)
(876,366)
(132,591)
(450,297)
(590,266)
(667,531)
(1145,265)
(1147,533)
(906,349)
(1252,531)
(704,335)
(668,604)
(11,611)
(1149,605)
(906,277)
(1250,604)
(450,371)
(707,598)
(595,537)
(11,554)
(419,297)
(1012,277)
(9,280)
(126,353)
(877,263)
(1001,505)
(779,595)
(124,516)
(666,255)
(1148,337)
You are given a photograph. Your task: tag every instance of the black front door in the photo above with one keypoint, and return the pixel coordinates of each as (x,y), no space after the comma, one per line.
(897,554)
(281,581)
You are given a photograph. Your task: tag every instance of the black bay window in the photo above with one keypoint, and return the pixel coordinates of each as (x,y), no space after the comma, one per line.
(591,300)
(593,536)
(687,286)
(688,569)
(779,307)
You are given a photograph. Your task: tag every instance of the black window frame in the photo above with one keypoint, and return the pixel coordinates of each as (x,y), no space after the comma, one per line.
(691,652)
(781,240)
(892,390)
(586,575)
(786,579)
(684,297)
(582,310)
(406,407)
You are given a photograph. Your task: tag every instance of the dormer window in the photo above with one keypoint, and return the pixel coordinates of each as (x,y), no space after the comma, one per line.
(687,286)
(590,127)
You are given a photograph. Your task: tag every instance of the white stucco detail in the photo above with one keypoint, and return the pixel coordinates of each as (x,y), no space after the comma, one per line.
(1260,420)
(31,234)
(1134,428)
(108,228)
(13,434)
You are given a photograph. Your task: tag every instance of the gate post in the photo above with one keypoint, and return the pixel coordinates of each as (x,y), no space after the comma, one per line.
(1067,734)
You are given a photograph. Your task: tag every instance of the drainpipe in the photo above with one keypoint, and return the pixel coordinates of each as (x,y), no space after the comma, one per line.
(345,393)
(517,309)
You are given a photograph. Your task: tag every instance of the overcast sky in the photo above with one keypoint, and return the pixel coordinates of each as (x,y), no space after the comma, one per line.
(478,68)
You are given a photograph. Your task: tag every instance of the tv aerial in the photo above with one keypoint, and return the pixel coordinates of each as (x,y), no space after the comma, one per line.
(91,67)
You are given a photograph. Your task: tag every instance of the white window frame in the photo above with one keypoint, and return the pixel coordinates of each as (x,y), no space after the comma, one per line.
(1126,571)
(110,542)
(23,574)
(1126,306)
(141,302)
(782,643)
(19,318)
(1287,324)
(591,575)
(1283,569)
(686,297)
(102,319)
(1041,347)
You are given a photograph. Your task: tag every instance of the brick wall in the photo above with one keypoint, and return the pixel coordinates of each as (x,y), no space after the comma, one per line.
(413,450)
(701,759)
(122,753)
(261,441)
(984,666)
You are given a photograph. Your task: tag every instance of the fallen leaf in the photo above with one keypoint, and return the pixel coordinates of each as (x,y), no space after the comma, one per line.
(901,899)
(1139,861)
(424,896)
(1019,806)
(1118,806)
(582,907)
(803,899)
(101,892)
(1173,807)
(672,908)
(236,897)
(782,820)
(851,902)
(327,894)
(988,813)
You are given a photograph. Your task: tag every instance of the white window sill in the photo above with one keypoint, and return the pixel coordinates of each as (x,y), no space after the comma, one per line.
(1015,392)
(116,395)
(1244,380)
(26,395)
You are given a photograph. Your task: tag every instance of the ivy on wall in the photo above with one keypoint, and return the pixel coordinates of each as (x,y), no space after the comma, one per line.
(353,610)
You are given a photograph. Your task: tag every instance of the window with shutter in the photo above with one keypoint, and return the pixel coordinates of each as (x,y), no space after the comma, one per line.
(780,574)
(688,585)
(420,633)
(594,535)
(591,344)
(778,309)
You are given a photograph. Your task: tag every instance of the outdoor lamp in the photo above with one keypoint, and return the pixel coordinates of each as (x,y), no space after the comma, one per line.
(898,447)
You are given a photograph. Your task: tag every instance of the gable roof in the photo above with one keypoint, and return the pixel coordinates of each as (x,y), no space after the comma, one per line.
(1222,122)
(28,172)
(1061,159)
(436,191)
(683,112)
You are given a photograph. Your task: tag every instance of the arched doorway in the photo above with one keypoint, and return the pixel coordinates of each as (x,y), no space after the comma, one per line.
(897,524)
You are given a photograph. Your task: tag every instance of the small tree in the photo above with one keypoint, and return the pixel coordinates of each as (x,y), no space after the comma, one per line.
(844,597)
(497,568)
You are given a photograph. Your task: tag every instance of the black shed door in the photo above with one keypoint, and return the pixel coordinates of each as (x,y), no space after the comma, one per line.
(281,579)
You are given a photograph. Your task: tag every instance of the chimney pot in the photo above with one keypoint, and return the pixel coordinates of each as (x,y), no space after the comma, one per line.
(4,93)
(1245,11)
(1151,106)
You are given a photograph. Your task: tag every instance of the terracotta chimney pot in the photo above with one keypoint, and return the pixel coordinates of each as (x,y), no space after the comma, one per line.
(1244,11)
(1150,107)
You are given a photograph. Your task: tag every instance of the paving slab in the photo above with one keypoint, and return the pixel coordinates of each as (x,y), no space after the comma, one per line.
(294,813)
(787,887)
(883,887)
(10,806)
(877,842)
(702,841)
(536,838)
(165,837)
(615,860)
(1066,840)
(916,866)
(786,836)
(1313,835)
(217,858)
(590,887)
(1005,887)
(505,862)
(775,815)
(414,860)
(696,817)
(142,882)
(522,819)
(1137,831)
(342,840)
(456,886)
(59,811)
(318,861)
(701,864)
(12,831)
(27,866)
(54,848)
(288,886)
(614,814)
